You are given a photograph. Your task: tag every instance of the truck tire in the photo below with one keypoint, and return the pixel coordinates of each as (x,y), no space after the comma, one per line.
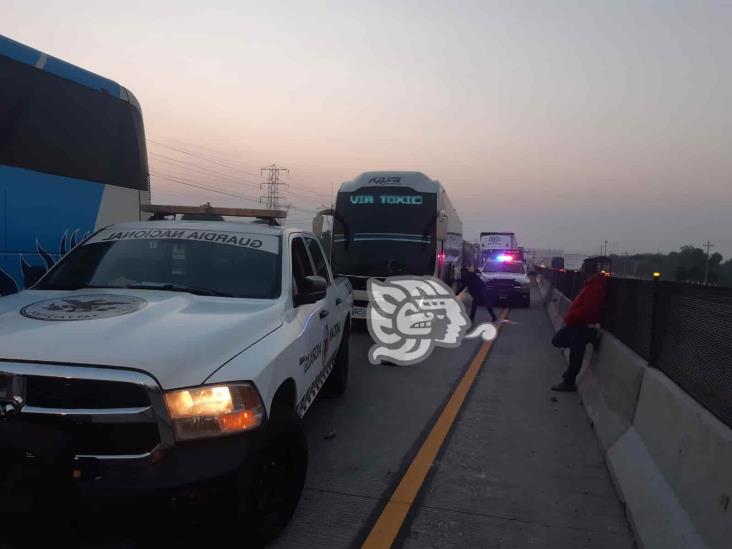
(337,381)
(275,483)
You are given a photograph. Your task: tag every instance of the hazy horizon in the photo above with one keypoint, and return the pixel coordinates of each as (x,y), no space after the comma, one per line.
(568,122)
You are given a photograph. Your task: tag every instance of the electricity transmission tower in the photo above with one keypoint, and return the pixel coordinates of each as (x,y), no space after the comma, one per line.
(271,199)
(706,263)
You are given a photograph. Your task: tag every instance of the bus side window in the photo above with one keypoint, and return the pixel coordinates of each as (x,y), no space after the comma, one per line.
(301,266)
(321,265)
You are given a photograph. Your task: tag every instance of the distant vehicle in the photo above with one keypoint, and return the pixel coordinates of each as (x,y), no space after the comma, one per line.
(72,160)
(573,262)
(174,359)
(600,264)
(493,244)
(394,223)
(557,262)
(506,280)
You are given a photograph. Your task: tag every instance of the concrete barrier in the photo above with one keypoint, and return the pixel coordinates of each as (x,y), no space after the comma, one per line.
(554,301)
(693,451)
(656,515)
(669,457)
(609,385)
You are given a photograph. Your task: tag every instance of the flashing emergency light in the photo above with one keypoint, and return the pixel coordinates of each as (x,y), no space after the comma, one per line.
(504,257)
(441,258)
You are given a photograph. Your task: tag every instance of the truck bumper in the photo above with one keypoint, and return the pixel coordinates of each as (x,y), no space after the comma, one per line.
(509,294)
(187,469)
(360,304)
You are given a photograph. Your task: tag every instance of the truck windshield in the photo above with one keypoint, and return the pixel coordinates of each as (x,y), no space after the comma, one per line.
(503,267)
(199,262)
(384,231)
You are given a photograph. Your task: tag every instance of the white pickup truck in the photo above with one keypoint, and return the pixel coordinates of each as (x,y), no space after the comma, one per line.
(506,279)
(165,357)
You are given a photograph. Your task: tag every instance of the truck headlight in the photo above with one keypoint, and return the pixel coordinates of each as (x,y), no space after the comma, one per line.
(214,410)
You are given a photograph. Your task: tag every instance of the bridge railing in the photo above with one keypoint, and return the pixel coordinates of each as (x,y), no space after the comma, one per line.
(684,330)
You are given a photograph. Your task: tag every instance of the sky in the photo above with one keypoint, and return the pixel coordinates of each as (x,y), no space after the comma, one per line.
(568,122)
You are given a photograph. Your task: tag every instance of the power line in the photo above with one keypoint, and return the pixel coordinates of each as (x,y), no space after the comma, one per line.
(214,160)
(220,190)
(200,156)
(205,170)
(300,191)
(204,187)
(197,166)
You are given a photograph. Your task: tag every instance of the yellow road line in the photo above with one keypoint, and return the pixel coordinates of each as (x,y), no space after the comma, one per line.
(390,521)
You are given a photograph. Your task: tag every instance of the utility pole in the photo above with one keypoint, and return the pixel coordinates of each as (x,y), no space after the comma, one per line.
(706,263)
(272,197)
(603,248)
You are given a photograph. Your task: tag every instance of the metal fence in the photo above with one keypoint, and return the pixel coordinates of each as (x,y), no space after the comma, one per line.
(567,282)
(684,330)
(628,313)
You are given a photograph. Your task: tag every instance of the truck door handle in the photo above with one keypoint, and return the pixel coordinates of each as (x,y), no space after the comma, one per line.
(338,301)
(323,313)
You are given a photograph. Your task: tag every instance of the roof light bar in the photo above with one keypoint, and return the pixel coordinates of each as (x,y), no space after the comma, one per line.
(168,209)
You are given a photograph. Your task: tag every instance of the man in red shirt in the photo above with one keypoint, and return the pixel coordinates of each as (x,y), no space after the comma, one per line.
(586,309)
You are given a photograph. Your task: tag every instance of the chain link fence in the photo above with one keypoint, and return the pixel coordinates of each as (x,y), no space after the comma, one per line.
(684,330)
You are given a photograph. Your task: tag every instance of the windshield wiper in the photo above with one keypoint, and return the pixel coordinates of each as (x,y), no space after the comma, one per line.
(177,288)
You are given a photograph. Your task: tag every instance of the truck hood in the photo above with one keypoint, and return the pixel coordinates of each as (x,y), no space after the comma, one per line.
(178,338)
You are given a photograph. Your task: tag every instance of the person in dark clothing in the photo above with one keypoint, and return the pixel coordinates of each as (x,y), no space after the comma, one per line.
(469,279)
(586,309)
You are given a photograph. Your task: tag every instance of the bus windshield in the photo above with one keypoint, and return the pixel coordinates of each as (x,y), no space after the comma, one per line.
(384,231)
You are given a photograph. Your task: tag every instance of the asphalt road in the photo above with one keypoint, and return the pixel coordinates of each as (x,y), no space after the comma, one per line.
(520,468)
(378,424)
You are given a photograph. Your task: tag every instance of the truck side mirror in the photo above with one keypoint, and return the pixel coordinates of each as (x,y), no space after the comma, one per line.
(313,289)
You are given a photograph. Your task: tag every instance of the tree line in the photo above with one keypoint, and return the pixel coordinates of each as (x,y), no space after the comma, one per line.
(686,265)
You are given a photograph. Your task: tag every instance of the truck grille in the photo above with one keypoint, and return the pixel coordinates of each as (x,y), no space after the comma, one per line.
(98,439)
(57,392)
(104,412)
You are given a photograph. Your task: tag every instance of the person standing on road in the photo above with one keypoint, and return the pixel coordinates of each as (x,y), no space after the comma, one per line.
(585,310)
(469,279)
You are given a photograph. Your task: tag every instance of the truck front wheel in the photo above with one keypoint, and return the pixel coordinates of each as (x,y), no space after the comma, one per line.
(275,484)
